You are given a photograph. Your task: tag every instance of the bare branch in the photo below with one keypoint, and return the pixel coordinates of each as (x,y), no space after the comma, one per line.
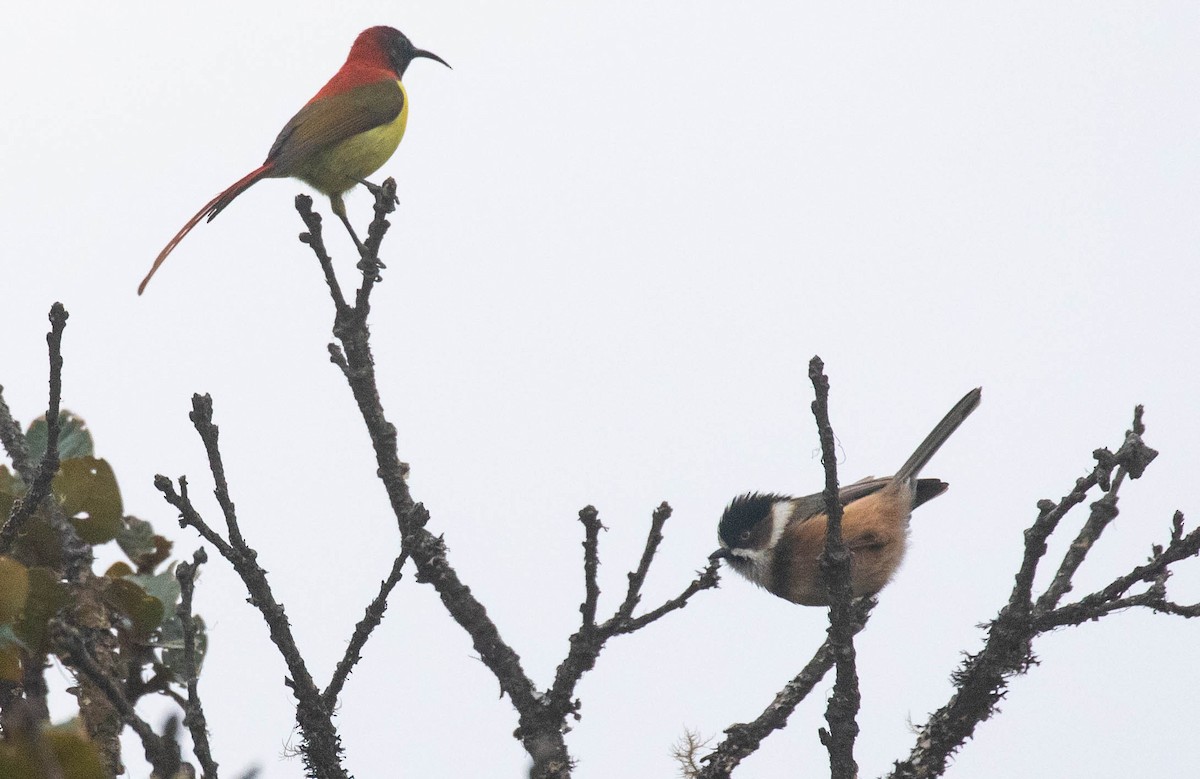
(14,442)
(315,240)
(591,563)
(362,632)
(39,487)
(1132,457)
(321,748)
(982,680)
(337,358)
(193,717)
(1112,598)
(161,753)
(638,577)
(541,737)
(201,416)
(189,517)
(588,642)
(370,264)
(744,739)
(835,566)
(705,580)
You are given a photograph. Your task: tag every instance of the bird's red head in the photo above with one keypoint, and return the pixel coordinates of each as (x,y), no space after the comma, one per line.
(389,48)
(378,54)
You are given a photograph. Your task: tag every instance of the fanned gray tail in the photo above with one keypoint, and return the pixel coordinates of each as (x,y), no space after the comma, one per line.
(928,448)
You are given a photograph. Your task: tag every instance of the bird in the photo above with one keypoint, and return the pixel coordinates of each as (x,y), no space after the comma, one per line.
(776,540)
(342,135)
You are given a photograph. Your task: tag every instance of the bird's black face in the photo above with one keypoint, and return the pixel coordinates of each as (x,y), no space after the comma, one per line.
(746,523)
(401,51)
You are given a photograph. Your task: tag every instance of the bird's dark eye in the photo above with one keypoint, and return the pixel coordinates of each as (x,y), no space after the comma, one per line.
(745,536)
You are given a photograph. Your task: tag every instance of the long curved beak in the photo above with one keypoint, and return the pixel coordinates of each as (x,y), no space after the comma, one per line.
(720,554)
(429,55)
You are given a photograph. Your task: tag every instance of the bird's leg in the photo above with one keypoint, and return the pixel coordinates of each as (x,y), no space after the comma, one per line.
(339,207)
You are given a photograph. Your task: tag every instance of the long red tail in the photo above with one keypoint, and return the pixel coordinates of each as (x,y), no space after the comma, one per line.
(210,210)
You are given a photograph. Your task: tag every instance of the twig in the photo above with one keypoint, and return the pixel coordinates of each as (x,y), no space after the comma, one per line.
(321,747)
(14,442)
(161,753)
(706,579)
(586,644)
(743,739)
(1112,598)
(385,203)
(1133,455)
(427,551)
(362,632)
(201,417)
(193,709)
(638,577)
(541,718)
(339,359)
(315,241)
(23,509)
(982,680)
(370,264)
(842,709)
(591,563)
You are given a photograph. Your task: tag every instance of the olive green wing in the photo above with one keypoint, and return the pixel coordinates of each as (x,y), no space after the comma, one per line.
(333,119)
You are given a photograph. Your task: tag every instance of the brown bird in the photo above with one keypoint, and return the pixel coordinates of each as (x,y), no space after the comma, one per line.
(341,136)
(776,541)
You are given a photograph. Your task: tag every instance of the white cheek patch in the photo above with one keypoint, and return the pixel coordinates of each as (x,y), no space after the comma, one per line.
(754,564)
(781,512)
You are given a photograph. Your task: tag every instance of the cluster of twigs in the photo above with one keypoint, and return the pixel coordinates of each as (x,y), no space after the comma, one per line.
(982,680)
(543,714)
(83,644)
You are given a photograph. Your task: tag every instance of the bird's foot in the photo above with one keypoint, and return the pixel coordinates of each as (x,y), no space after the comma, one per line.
(378,190)
(353,235)
(369,266)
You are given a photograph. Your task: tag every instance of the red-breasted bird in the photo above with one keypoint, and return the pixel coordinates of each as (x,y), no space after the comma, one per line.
(776,541)
(341,136)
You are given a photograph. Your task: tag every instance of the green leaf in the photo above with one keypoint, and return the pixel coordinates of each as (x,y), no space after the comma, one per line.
(140,544)
(163,586)
(29,754)
(74,440)
(88,490)
(171,642)
(143,610)
(38,543)
(119,570)
(46,596)
(136,538)
(11,654)
(78,757)
(14,589)
(11,488)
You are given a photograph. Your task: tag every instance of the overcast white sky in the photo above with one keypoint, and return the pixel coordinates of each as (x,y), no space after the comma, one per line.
(625,227)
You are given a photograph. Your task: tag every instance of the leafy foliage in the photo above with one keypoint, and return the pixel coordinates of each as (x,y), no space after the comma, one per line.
(133,602)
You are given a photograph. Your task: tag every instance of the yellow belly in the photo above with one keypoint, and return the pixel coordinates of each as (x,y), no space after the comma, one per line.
(343,165)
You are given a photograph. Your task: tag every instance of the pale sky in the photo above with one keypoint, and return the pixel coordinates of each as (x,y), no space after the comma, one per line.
(624,229)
